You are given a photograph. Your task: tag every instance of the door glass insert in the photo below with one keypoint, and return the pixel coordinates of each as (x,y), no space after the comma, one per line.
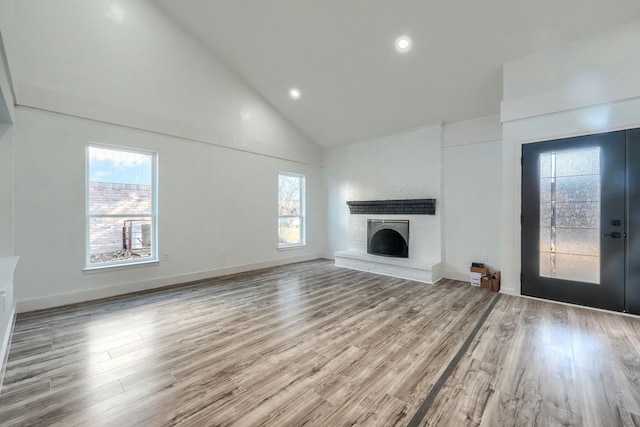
(570,215)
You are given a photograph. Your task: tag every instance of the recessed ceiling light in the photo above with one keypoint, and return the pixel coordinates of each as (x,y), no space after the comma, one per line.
(294,93)
(403,44)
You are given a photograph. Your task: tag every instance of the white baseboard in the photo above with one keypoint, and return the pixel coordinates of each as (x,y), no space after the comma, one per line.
(99,293)
(6,342)
(453,275)
(329,255)
(509,291)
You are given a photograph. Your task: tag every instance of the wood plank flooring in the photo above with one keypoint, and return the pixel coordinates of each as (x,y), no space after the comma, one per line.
(312,344)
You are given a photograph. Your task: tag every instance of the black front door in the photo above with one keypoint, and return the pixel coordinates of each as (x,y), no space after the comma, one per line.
(632,283)
(575,206)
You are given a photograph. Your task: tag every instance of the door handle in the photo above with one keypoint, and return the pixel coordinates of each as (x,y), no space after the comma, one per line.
(614,235)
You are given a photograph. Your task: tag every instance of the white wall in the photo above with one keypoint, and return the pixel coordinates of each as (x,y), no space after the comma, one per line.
(6,89)
(122,72)
(125,62)
(589,86)
(472,187)
(217,210)
(405,165)
(6,190)
(7,307)
(595,70)
(336,180)
(6,95)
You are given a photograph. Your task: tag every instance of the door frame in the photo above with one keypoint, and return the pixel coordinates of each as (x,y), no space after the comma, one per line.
(610,293)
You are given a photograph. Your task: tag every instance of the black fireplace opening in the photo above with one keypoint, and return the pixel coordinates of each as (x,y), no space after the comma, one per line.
(388,238)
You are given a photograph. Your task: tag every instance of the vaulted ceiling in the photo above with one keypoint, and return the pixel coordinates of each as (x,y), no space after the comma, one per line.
(341,54)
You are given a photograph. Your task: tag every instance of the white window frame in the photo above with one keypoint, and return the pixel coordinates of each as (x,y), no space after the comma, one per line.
(154,209)
(302,216)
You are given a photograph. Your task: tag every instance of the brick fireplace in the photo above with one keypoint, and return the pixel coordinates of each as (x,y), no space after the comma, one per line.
(395,178)
(382,245)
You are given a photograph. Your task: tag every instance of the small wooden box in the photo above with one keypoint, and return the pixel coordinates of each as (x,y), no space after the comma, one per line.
(481,270)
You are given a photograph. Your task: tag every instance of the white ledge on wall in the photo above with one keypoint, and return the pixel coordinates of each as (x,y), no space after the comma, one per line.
(7,308)
(403,268)
(622,88)
(7,267)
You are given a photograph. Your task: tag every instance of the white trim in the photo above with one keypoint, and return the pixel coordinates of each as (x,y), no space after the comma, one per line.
(115,266)
(7,92)
(111,291)
(303,211)
(483,129)
(290,247)
(329,255)
(6,343)
(509,291)
(622,88)
(623,115)
(7,268)
(153,215)
(460,277)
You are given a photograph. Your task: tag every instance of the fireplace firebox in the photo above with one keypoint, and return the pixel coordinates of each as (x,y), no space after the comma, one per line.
(388,237)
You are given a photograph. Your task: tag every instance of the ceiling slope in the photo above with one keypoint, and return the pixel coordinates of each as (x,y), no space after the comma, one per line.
(354,84)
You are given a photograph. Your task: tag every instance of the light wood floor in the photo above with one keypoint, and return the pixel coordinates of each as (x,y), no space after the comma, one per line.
(312,344)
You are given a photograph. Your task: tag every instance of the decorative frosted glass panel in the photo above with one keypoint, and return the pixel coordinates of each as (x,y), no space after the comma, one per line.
(571,267)
(545,239)
(545,264)
(570,215)
(545,190)
(585,188)
(578,215)
(545,215)
(545,165)
(578,162)
(578,241)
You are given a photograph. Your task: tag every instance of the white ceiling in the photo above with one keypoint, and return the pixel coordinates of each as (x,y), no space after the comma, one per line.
(341,54)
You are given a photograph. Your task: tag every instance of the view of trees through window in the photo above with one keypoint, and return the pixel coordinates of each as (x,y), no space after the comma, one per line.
(121,205)
(290,210)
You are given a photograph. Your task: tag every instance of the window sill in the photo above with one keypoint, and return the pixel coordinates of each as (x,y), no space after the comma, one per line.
(117,267)
(290,247)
